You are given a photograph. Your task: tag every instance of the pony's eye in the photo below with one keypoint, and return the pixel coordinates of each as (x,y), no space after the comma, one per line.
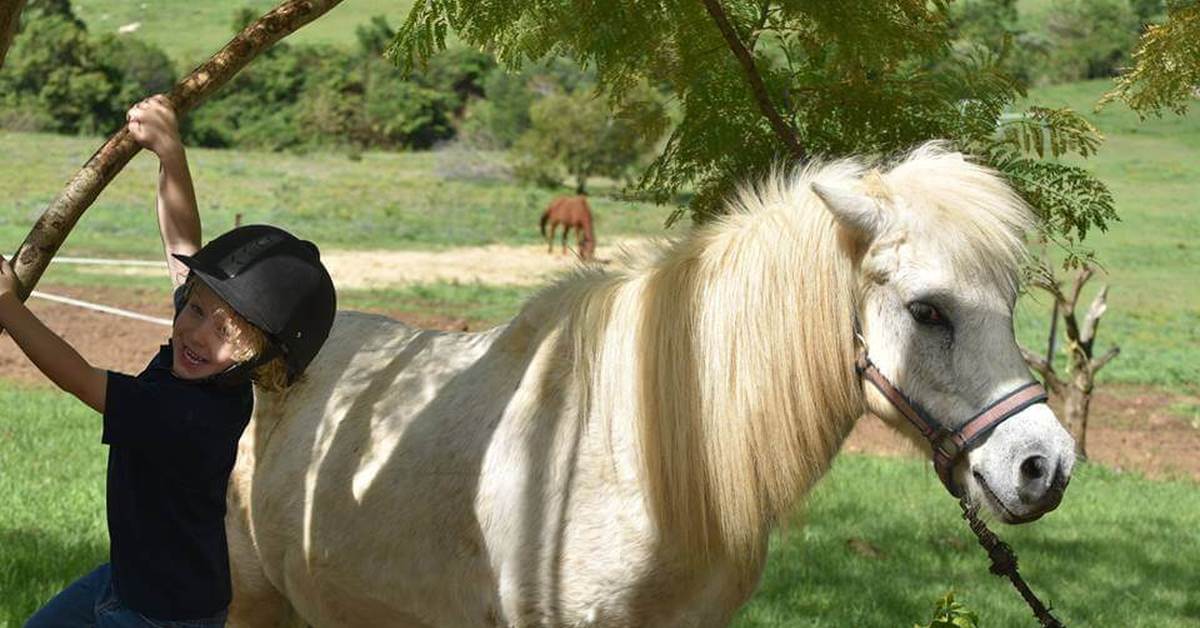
(926,314)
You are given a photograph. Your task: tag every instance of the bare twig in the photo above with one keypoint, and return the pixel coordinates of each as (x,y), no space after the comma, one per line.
(1092,318)
(784,132)
(1099,362)
(1053,339)
(1045,368)
(764,13)
(10,17)
(1081,279)
(56,221)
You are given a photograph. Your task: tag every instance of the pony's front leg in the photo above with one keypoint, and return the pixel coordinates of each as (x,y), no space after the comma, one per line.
(566,230)
(550,237)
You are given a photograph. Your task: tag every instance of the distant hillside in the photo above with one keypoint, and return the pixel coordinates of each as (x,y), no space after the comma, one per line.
(191,30)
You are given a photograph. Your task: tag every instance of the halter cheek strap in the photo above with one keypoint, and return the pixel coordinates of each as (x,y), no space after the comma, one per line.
(949,445)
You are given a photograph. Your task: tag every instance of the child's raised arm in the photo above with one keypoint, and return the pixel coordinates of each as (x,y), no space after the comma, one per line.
(153,125)
(51,354)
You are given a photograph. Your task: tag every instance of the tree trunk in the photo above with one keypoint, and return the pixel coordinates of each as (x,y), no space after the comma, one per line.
(1082,367)
(56,221)
(1078,399)
(10,18)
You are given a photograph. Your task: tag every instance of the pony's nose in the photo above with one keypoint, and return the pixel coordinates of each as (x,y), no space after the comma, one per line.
(1041,482)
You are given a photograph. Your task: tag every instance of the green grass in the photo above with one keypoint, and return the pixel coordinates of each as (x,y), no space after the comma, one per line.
(1151,255)
(191,31)
(1120,551)
(386,200)
(52,524)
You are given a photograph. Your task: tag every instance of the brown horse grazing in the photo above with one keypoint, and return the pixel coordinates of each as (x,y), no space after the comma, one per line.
(570,212)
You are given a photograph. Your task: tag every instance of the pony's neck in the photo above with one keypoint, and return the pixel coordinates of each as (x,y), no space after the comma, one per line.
(740,375)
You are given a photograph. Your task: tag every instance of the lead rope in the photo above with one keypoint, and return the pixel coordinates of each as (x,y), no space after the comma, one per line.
(1004,563)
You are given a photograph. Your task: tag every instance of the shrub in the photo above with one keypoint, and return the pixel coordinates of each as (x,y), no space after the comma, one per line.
(57,78)
(1088,39)
(949,613)
(575,135)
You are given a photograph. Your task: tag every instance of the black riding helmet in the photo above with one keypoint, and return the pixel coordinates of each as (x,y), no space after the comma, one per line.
(277,282)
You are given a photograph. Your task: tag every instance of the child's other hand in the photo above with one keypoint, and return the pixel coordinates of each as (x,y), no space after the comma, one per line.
(8,279)
(153,125)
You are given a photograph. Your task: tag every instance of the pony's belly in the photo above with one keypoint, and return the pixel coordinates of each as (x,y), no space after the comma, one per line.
(572,544)
(342,561)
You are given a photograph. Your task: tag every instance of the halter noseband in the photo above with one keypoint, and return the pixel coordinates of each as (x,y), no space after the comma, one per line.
(948,444)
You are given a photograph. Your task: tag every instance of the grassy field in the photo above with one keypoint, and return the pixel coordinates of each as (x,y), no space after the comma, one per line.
(384,200)
(1151,256)
(880,539)
(210,23)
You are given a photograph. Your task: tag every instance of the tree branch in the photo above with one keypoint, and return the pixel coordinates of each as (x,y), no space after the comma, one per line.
(1092,318)
(1080,279)
(51,229)
(764,13)
(784,132)
(1043,368)
(1053,332)
(1099,363)
(10,18)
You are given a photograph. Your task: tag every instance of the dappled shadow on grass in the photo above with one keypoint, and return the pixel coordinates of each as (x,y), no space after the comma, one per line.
(882,543)
(35,565)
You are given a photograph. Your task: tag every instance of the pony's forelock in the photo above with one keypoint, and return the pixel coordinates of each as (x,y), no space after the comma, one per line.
(964,208)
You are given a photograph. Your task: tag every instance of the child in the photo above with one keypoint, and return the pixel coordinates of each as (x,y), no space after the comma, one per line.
(255,304)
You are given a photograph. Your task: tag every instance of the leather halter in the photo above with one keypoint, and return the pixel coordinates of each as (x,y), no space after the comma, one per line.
(948,444)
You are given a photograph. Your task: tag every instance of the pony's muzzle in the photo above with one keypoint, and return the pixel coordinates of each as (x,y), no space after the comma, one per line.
(1041,483)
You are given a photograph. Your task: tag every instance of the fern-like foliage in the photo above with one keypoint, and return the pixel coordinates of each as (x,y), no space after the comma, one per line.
(1166,70)
(867,77)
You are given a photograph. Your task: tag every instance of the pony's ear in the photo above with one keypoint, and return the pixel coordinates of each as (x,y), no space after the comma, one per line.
(857,212)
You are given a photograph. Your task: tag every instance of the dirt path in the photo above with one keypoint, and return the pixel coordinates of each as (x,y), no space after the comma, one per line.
(496,264)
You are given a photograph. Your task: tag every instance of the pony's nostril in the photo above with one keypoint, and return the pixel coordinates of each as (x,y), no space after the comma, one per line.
(1034,468)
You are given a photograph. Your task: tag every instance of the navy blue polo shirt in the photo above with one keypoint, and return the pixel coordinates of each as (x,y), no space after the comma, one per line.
(172,444)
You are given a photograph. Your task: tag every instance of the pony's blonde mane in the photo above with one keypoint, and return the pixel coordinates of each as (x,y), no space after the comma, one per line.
(731,349)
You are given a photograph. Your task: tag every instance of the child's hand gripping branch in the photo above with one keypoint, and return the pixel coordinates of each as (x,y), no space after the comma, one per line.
(153,126)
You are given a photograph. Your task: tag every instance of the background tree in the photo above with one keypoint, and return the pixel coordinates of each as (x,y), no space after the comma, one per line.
(1089,38)
(575,135)
(298,97)
(10,17)
(1166,70)
(1076,385)
(60,78)
(757,82)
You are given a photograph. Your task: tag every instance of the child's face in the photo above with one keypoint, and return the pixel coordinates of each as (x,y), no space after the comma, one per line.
(200,337)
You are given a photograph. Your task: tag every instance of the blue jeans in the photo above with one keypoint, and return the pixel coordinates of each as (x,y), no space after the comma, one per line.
(91,601)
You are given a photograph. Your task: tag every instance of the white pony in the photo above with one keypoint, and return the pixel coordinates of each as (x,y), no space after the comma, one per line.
(618,453)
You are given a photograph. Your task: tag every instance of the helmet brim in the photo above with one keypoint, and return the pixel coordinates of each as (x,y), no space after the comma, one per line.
(214,279)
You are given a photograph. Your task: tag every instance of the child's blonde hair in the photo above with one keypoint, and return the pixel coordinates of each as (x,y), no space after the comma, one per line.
(247,339)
